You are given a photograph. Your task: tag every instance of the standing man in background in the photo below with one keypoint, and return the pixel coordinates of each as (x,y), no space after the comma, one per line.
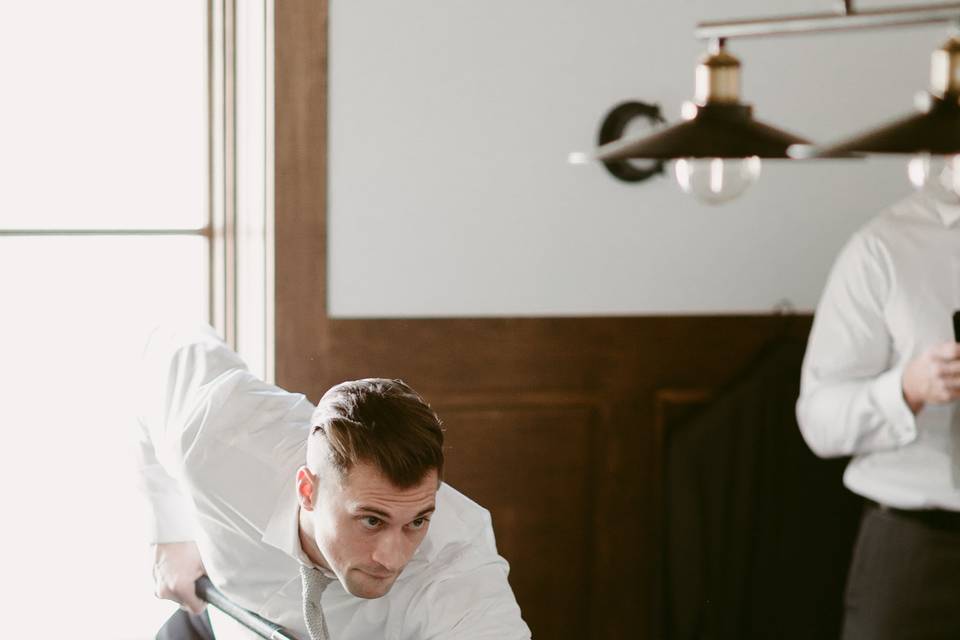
(331,521)
(880,382)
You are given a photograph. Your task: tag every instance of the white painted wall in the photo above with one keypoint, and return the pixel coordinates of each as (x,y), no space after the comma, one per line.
(450,125)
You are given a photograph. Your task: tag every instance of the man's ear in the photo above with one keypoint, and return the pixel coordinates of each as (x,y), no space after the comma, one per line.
(306,488)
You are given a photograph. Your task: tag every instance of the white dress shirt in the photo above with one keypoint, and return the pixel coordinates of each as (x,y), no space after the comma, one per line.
(219,453)
(891,295)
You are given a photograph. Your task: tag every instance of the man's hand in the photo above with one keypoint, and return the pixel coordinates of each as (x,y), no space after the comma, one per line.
(933,377)
(176,567)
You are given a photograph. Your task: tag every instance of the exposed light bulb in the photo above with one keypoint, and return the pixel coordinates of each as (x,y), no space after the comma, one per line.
(938,175)
(716,180)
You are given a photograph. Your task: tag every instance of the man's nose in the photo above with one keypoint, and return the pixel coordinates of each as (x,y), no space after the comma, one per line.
(391,551)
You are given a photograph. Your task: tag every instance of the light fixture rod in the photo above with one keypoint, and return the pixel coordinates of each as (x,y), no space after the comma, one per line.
(846,19)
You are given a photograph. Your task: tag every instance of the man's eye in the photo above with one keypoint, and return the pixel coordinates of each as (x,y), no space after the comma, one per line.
(419,523)
(371,522)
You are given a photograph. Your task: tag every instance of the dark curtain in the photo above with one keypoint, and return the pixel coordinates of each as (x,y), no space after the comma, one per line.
(759,531)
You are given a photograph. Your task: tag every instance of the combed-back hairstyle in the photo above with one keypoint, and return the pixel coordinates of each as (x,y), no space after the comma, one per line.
(381,422)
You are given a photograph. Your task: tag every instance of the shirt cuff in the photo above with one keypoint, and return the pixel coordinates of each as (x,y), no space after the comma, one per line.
(888,396)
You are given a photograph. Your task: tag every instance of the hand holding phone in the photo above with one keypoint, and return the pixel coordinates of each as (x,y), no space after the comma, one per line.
(931,377)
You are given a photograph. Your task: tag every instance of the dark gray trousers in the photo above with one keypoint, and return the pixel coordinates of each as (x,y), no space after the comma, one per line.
(904,579)
(183,625)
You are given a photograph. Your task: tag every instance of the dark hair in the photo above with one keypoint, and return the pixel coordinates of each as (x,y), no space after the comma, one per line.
(378,421)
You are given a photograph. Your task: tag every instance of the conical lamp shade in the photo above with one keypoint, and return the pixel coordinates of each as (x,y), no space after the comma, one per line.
(714,131)
(935,131)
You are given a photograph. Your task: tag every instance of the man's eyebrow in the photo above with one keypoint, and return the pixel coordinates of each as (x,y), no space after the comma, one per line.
(386,516)
(365,509)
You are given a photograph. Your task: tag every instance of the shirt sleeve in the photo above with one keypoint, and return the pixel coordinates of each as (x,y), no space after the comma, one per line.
(851,399)
(473,604)
(180,369)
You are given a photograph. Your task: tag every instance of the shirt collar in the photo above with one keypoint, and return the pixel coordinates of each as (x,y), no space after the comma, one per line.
(949,213)
(283,530)
(941,194)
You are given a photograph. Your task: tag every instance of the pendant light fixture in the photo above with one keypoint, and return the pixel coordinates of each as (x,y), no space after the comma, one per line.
(718,146)
(932,135)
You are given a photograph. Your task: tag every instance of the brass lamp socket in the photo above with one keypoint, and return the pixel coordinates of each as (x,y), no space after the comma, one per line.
(717,78)
(945,70)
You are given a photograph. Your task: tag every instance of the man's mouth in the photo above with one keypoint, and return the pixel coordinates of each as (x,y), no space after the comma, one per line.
(379,575)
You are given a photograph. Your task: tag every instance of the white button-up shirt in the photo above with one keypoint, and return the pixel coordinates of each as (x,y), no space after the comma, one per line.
(219,450)
(891,295)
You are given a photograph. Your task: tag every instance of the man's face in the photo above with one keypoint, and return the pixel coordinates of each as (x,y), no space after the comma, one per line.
(366,528)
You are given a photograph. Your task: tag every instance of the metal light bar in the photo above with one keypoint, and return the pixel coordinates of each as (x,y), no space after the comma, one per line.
(845,19)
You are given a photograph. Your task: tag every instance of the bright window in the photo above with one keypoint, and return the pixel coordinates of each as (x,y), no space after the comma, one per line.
(104,230)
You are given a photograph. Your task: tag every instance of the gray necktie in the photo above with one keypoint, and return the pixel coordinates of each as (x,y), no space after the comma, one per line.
(314,582)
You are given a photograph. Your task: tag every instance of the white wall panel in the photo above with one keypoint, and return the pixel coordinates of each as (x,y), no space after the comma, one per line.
(450,125)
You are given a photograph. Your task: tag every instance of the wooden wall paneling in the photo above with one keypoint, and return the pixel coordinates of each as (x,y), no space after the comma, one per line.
(565,404)
(531,461)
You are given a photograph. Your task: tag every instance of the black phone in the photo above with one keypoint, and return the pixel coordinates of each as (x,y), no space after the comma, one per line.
(956,326)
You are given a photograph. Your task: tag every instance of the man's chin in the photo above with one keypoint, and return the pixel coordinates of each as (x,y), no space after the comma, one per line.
(370,587)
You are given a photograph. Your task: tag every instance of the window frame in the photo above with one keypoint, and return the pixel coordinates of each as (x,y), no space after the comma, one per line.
(238,221)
